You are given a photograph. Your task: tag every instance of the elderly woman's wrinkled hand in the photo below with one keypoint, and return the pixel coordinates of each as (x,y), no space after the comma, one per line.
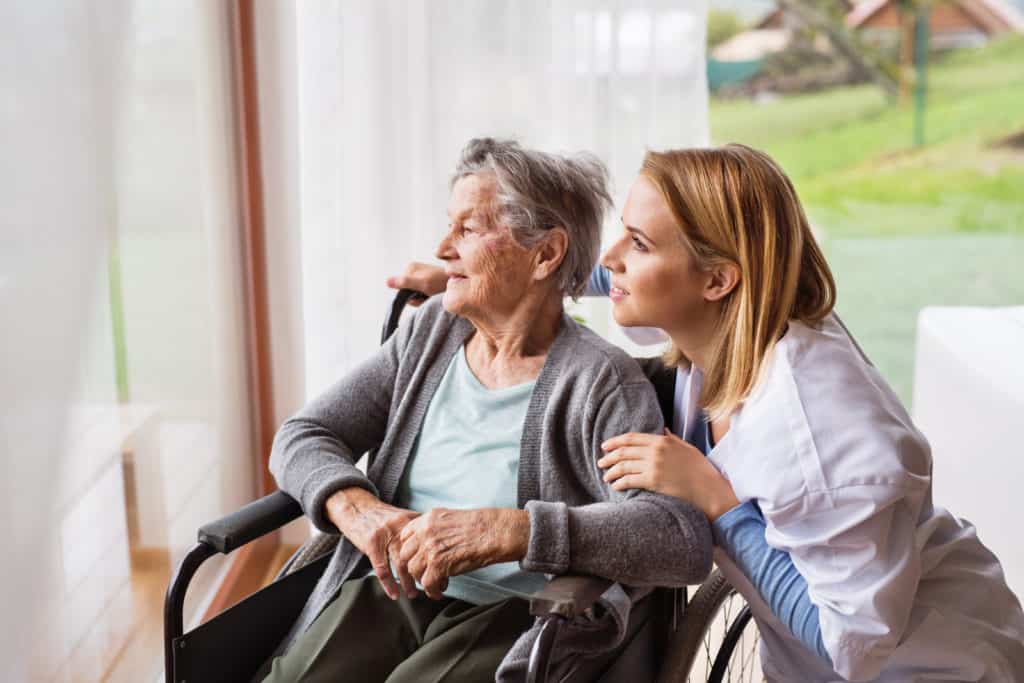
(375,528)
(444,543)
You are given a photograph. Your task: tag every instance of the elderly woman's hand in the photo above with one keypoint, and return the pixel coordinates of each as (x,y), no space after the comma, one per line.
(443,543)
(374,527)
(421,277)
(669,465)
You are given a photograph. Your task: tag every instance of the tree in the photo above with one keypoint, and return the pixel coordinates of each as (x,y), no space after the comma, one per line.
(828,17)
(722,25)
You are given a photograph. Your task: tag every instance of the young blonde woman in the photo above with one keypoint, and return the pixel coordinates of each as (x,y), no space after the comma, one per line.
(816,482)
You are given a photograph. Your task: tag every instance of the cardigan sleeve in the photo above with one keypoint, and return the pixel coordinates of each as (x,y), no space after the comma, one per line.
(315,451)
(636,537)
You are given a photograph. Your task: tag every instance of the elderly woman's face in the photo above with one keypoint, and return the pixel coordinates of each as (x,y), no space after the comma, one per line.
(488,271)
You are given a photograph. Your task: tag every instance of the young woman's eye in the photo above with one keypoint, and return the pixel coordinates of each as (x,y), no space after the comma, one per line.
(640,246)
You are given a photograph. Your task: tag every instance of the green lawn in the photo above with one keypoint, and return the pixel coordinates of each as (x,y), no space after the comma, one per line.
(906,227)
(885,281)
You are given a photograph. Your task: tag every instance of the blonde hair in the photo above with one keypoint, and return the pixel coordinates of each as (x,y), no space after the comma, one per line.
(733,204)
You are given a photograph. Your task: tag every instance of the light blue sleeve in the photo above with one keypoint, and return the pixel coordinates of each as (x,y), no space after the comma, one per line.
(600,282)
(740,533)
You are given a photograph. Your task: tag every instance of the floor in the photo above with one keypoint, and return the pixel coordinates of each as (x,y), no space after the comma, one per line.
(142,658)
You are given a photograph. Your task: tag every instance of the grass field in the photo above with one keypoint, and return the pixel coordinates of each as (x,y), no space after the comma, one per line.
(906,227)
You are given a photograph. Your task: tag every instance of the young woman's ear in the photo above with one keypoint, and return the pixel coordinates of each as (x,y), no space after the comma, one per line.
(723,278)
(550,253)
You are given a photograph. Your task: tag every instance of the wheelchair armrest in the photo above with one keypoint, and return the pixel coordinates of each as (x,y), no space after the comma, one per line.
(568,596)
(250,522)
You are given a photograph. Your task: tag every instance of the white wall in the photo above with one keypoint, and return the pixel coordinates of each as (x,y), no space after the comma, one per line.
(968,402)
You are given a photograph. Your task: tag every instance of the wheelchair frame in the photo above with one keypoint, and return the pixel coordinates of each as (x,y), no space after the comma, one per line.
(188,655)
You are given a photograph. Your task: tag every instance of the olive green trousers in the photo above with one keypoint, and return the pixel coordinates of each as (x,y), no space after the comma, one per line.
(363,636)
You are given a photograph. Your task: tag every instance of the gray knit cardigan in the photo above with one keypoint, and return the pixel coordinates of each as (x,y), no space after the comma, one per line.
(587,391)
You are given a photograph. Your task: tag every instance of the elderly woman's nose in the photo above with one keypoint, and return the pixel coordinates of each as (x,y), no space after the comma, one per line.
(445,250)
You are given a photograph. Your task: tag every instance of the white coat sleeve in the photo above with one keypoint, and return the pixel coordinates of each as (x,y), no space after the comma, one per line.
(855,546)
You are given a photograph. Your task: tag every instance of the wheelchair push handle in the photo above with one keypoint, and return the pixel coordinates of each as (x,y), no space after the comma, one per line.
(250,522)
(395,309)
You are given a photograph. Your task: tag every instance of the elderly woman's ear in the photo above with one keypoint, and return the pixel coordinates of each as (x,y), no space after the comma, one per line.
(550,253)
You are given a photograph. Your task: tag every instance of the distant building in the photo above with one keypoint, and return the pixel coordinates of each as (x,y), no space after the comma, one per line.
(952,23)
(753,44)
(779,18)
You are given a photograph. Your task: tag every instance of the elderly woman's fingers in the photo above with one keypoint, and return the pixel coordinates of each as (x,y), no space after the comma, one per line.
(416,565)
(410,534)
(382,568)
(396,553)
(629,439)
(434,582)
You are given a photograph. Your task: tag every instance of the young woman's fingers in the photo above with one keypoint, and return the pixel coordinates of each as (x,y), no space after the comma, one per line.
(623,454)
(630,481)
(673,436)
(628,439)
(624,468)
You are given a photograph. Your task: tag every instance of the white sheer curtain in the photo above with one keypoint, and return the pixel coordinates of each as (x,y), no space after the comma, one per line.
(123,422)
(56,204)
(390,91)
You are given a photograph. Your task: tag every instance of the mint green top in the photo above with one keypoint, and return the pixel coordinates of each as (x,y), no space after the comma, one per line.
(467,456)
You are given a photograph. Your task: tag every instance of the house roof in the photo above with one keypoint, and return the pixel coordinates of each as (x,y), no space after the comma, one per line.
(776,17)
(1008,13)
(864,10)
(771,20)
(984,11)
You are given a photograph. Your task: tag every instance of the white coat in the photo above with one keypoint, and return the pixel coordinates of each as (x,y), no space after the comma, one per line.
(905,590)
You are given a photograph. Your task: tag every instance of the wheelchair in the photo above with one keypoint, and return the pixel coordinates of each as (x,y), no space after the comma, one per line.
(709,636)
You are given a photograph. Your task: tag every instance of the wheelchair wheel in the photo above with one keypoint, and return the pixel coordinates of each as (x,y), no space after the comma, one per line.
(738,657)
(719,636)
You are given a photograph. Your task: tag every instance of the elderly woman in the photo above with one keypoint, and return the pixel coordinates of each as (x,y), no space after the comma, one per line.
(484,417)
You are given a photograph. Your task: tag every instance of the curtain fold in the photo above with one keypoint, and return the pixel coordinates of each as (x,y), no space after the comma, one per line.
(390,91)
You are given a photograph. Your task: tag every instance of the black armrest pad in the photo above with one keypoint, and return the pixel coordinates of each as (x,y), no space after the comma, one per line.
(568,595)
(249,523)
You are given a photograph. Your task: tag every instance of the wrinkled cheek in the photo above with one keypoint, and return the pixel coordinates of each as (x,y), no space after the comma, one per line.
(497,274)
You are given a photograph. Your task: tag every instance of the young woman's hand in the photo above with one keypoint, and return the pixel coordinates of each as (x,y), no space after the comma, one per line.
(669,465)
(422,277)
(444,543)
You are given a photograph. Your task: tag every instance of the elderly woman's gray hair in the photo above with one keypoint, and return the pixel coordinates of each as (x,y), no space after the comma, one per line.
(537,192)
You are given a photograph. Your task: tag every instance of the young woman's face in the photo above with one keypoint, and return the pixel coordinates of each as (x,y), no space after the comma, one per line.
(656,281)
